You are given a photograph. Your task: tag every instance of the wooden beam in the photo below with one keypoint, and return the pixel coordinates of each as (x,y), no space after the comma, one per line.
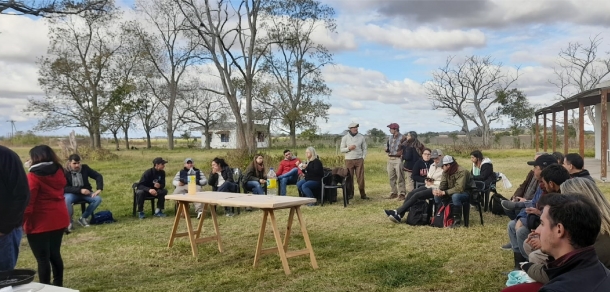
(604,137)
(581,126)
(566,131)
(544,139)
(554,131)
(537,136)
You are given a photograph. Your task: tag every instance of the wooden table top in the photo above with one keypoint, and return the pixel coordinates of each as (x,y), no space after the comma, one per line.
(243,200)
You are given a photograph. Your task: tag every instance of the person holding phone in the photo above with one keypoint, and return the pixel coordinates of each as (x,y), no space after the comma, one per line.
(152,183)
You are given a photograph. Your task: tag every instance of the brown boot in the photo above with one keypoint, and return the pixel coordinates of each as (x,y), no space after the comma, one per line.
(392,196)
(401,197)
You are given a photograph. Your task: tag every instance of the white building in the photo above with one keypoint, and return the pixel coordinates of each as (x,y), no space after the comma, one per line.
(224,136)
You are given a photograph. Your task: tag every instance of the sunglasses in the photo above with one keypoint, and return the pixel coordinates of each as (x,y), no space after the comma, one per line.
(189,162)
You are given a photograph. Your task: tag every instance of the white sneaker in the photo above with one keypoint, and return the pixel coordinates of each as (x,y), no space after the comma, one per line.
(83,221)
(199,215)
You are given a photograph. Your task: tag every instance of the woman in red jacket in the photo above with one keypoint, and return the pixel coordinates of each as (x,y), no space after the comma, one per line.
(46,216)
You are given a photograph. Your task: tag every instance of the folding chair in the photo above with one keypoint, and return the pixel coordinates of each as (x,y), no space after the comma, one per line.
(333,185)
(134,188)
(475,199)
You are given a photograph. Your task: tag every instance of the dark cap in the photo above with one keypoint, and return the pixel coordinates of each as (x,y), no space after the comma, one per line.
(159,160)
(436,153)
(393,126)
(543,161)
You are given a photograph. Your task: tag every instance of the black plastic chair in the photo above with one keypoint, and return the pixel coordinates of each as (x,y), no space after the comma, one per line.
(475,199)
(333,185)
(134,188)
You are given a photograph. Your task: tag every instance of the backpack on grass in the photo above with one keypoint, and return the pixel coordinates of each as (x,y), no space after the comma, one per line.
(495,204)
(418,214)
(102,217)
(444,216)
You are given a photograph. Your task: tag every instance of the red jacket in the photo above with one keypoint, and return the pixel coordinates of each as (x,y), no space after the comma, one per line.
(287,165)
(47,208)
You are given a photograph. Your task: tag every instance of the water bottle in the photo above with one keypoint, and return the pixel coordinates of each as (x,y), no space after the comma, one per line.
(192,182)
(271,182)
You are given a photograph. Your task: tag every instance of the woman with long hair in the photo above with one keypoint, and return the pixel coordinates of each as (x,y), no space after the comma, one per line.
(255,178)
(46,216)
(482,169)
(314,172)
(411,153)
(221,180)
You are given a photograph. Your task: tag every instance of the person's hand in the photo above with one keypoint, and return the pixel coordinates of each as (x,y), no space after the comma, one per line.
(429,183)
(85,192)
(521,199)
(157,185)
(533,239)
(180,183)
(352,147)
(531,210)
(262,181)
(153,192)
(96,193)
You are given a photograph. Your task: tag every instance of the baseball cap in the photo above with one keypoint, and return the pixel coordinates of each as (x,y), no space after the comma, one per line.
(543,160)
(189,159)
(353,125)
(393,126)
(159,160)
(436,153)
(448,159)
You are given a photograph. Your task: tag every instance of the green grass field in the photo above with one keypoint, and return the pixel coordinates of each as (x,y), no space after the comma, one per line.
(357,248)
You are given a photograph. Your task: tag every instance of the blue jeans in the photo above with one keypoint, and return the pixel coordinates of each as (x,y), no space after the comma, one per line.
(93,202)
(255,187)
(9,249)
(517,237)
(289,178)
(458,199)
(307,186)
(227,187)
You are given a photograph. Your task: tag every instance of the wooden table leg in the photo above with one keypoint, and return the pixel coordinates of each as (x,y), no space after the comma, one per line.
(288,229)
(172,235)
(189,227)
(261,236)
(312,257)
(278,241)
(200,224)
(216,228)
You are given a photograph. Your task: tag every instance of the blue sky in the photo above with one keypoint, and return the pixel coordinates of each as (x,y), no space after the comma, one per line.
(383,52)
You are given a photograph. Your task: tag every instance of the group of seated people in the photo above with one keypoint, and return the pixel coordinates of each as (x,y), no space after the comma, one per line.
(440,177)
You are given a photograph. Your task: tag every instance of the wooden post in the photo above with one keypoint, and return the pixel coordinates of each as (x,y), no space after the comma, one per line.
(546,147)
(554,131)
(566,131)
(604,137)
(537,136)
(581,126)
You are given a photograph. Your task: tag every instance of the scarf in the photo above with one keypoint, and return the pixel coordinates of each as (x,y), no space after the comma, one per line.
(77,178)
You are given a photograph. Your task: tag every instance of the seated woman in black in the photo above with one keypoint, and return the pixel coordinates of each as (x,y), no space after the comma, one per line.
(221,179)
(482,169)
(420,168)
(314,172)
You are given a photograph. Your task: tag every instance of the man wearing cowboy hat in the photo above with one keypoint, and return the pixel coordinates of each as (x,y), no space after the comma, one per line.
(353,145)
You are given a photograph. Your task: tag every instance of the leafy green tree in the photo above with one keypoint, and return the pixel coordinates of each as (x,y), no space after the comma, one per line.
(376,134)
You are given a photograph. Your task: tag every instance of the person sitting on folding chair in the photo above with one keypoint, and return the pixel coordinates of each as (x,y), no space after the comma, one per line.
(181,180)
(153,183)
(456,184)
(80,190)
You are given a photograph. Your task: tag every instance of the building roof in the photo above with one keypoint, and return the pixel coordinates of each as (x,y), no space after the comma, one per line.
(588,98)
(230,126)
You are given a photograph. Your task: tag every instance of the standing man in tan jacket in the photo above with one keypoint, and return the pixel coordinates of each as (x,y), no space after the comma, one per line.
(394,168)
(354,146)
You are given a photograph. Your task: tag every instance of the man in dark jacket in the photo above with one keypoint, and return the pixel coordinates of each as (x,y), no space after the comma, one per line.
(574,163)
(152,183)
(14,198)
(569,227)
(79,189)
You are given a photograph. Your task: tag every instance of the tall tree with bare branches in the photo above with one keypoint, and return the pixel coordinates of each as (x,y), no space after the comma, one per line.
(580,68)
(467,89)
(203,108)
(51,8)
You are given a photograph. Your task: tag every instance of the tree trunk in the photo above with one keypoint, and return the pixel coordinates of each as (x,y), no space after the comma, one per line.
(208,137)
(97,137)
(126,132)
(293,134)
(148,144)
(170,116)
(116,140)
(91,138)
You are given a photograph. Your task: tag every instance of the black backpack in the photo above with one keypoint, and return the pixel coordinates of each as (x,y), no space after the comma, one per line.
(418,214)
(495,204)
(444,216)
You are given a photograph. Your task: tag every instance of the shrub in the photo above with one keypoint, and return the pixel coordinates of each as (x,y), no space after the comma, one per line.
(93,154)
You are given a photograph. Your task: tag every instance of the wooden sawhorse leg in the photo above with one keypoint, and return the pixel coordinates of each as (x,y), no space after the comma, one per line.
(194,235)
(282,247)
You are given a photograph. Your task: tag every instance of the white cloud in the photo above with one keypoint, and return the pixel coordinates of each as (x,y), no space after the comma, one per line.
(337,111)
(23,39)
(423,38)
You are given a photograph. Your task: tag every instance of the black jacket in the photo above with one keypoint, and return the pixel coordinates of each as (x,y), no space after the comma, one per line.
(227,175)
(486,175)
(420,170)
(86,173)
(584,174)
(314,170)
(14,190)
(146,182)
(581,272)
(410,156)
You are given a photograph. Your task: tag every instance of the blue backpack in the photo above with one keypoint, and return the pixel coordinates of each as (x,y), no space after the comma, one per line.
(102,217)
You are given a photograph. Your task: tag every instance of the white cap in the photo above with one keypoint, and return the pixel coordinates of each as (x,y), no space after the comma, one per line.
(448,159)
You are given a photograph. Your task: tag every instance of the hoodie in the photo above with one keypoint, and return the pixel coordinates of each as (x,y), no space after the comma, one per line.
(14,190)
(485,173)
(47,208)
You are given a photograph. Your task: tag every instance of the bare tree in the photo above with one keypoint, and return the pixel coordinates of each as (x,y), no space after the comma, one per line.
(229,31)
(149,113)
(468,90)
(50,8)
(580,69)
(203,108)
(79,74)
(294,62)
(169,47)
